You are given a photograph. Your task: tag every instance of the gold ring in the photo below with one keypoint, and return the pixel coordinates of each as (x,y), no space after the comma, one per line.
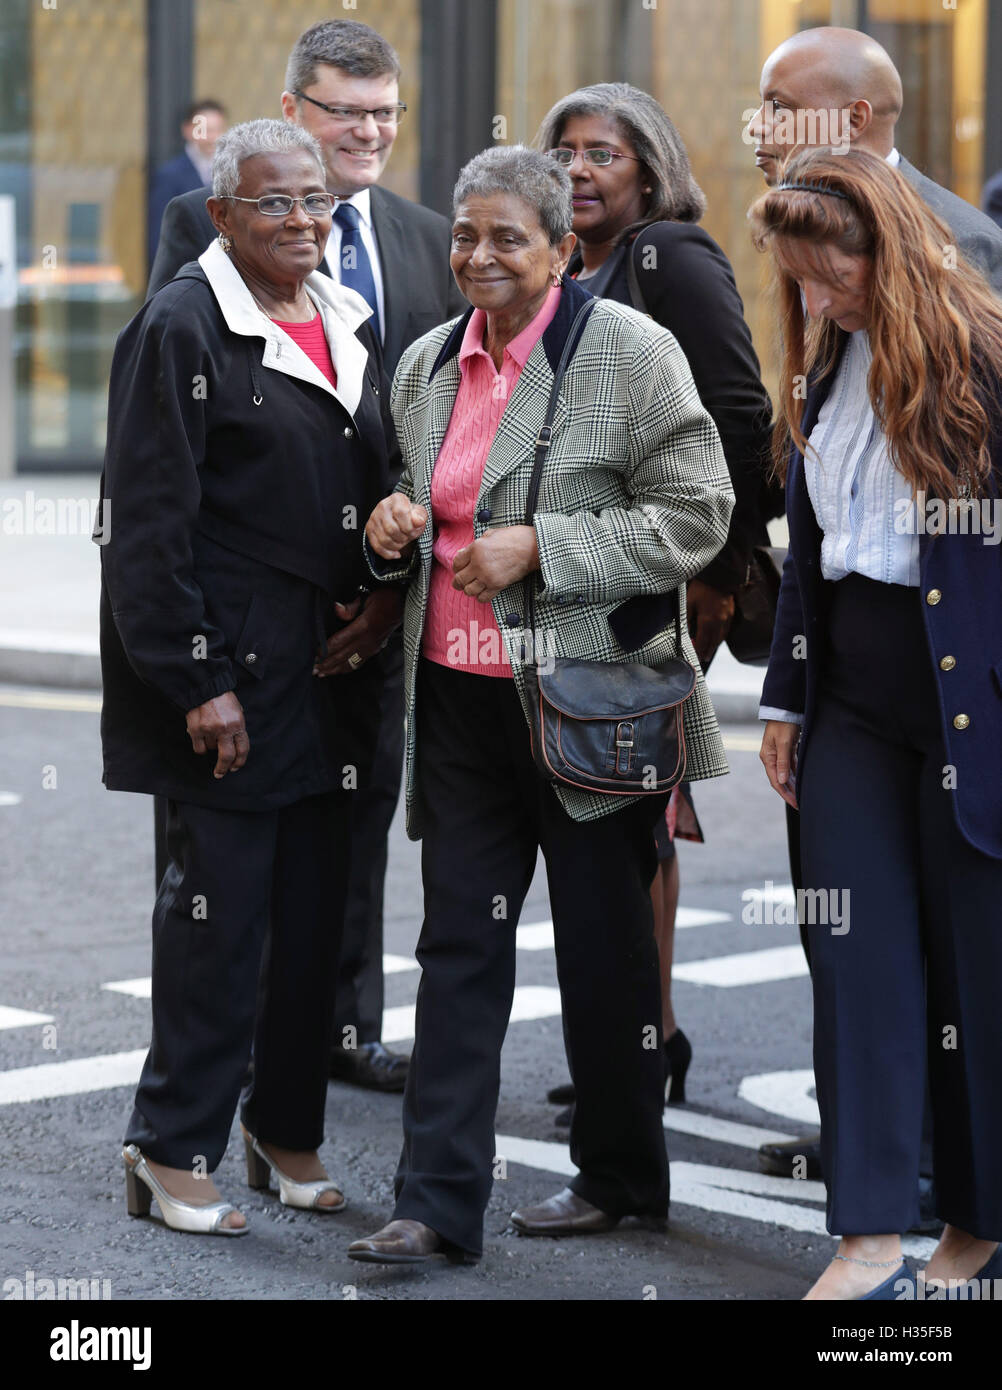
(354,660)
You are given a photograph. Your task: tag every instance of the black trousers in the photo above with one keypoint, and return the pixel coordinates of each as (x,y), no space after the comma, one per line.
(917,979)
(246,935)
(486,812)
(359,990)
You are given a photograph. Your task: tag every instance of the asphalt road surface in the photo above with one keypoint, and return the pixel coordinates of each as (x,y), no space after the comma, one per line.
(76,867)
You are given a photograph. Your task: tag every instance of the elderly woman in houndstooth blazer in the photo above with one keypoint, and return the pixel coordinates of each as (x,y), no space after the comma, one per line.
(635,499)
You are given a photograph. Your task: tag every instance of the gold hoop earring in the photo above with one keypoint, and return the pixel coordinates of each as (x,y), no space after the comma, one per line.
(225,242)
(555,280)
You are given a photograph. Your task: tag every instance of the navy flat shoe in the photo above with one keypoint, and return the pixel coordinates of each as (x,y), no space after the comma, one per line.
(890,1290)
(992,1269)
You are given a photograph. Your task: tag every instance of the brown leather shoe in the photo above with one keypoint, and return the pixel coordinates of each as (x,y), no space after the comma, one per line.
(564,1214)
(400,1243)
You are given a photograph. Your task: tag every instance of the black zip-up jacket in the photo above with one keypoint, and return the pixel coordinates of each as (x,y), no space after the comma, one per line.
(234,495)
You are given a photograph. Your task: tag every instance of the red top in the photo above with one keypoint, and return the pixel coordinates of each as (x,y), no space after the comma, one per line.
(313,340)
(459,631)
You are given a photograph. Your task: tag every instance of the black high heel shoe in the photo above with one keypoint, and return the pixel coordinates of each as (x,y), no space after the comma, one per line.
(678,1055)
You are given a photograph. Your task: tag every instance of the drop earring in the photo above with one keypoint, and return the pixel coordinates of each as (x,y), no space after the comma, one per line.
(225,242)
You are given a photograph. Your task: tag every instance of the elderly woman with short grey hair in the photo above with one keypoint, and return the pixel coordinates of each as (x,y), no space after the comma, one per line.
(247,427)
(633,498)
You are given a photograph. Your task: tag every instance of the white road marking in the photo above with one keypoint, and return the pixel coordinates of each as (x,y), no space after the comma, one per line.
(139,989)
(530,1001)
(699,917)
(10,799)
(71,1078)
(784,1093)
(534,936)
(721,1131)
(744,968)
(20,1018)
(396,965)
(728,1191)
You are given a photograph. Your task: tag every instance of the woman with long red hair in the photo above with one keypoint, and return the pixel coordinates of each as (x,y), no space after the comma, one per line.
(883,702)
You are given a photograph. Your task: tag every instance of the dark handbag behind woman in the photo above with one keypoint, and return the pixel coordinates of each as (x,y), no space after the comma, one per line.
(755,603)
(601,726)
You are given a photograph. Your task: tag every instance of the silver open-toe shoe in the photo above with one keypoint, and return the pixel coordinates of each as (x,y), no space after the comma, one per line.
(141,1186)
(304,1195)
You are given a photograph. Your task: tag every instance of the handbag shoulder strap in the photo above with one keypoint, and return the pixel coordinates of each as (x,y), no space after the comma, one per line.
(543,440)
(633,280)
(546,429)
(545,435)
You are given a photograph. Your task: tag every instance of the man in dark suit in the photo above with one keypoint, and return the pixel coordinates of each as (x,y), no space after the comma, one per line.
(203,123)
(839,87)
(342,86)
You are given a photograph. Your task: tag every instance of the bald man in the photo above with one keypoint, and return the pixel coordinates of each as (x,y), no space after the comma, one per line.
(839,87)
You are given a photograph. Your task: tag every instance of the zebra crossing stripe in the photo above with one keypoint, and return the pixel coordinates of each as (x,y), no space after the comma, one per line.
(83,1074)
(20,1018)
(744,968)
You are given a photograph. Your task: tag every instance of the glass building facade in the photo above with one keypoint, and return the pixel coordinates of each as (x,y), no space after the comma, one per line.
(91,93)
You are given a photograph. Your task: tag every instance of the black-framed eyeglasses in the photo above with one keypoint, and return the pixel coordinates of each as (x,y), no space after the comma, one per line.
(280,204)
(354,115)
(599,157)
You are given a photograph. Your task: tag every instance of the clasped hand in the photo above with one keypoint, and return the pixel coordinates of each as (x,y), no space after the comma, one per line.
(495,560)
(481,569)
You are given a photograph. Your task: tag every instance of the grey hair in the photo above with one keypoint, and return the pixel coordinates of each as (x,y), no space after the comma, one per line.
(343,43)
(675,195)
(535,178)
(244,141)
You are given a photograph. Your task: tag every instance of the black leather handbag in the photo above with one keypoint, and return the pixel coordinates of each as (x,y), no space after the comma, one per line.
(613,727)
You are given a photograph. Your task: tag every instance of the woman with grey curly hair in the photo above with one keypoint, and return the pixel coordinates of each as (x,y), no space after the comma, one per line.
(245,424)
(633,498)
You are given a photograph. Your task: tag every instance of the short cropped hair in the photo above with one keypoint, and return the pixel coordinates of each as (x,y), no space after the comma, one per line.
(244,141)
(535,178)
(347,44)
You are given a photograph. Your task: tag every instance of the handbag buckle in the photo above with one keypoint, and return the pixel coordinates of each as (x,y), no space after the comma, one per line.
(624,747)
(543,437)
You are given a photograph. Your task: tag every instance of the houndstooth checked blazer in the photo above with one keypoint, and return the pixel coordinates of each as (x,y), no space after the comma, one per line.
(635,499)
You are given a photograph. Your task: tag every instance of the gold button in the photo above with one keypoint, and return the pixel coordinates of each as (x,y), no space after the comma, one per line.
(961,721)
(933,597)
(947,663)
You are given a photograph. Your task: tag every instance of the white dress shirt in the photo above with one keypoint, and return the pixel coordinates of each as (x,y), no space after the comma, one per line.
(363,205)
(855,486)
(202,165)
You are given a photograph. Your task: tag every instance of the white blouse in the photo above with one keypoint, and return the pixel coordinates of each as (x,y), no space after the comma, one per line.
(853,485)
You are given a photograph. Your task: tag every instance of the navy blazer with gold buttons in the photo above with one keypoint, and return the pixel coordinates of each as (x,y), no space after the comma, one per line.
(961,588)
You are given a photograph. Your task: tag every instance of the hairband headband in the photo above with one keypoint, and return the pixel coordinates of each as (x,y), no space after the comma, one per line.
(815,188)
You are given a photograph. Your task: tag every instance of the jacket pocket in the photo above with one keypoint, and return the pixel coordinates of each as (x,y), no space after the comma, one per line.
(256,642)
